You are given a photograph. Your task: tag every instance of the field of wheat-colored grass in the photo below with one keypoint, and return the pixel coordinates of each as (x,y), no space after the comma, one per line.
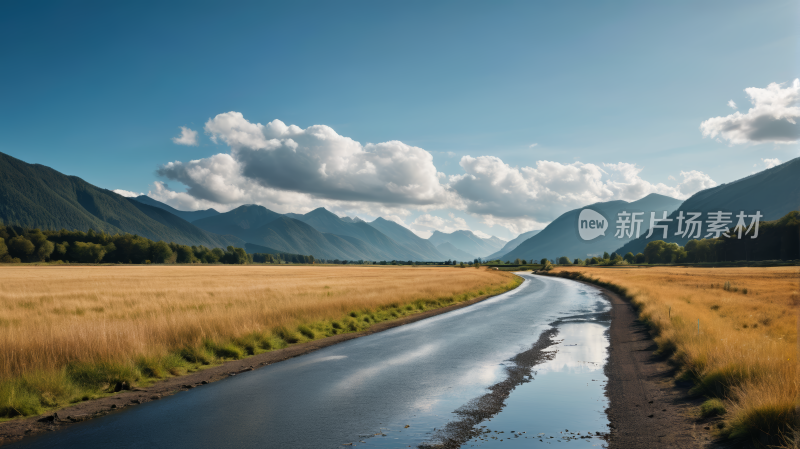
(744,357)
(67,333)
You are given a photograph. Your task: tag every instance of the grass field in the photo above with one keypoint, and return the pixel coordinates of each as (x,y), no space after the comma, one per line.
(743,357)
(72,333)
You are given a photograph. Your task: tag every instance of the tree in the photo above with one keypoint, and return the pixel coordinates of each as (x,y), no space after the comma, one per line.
(544,262)
(605,255)
(20,247)
(87,252)
(640,258)
(578,262)
(161,252)
(3,247)
(547,266)
(477,264)
(563,260)
(630,258)
(45,250)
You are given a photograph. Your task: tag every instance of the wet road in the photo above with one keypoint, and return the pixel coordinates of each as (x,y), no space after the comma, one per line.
(413,375)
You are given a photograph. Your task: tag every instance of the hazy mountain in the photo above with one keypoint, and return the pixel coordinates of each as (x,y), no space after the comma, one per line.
(452,253)
(36,196)
(511,245)
(237,221)
(351,220)
(326,222)
(468,242)
(404,236)
(773,192)
(189,216)
(294,236)
(561,238)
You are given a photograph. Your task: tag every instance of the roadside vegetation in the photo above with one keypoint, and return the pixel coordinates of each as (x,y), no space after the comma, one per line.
(73,333)
(732,332)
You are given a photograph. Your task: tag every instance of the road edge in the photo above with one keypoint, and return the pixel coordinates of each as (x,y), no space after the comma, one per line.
(646,407)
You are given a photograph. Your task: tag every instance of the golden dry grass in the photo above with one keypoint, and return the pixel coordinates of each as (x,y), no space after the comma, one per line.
(746,349)
(53,319)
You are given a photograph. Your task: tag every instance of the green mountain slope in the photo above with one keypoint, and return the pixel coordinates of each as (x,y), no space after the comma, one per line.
(189,216)
(773,192)
(36,196)
(294,236)
(561,238)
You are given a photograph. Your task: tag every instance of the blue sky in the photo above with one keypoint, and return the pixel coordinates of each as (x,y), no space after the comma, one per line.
(98,90)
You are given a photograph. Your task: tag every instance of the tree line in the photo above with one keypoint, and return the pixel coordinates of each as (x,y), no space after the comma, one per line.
(19,244)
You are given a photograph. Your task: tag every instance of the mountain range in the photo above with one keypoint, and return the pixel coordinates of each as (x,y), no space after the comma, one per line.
(773,193)
(511,245)
(33,195)
(561,237)
(36,196)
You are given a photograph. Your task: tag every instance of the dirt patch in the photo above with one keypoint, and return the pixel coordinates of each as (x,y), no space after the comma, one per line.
(17,429)
(646,407)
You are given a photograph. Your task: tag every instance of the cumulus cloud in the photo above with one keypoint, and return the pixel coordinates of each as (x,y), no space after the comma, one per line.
(187,137)
(769,163)
(316,161)
(526,197)
(127,193)
(290,169)
(771,119)
(481,234)
(732,104)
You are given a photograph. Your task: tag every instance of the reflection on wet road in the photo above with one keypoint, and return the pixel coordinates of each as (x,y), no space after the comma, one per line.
(390,389)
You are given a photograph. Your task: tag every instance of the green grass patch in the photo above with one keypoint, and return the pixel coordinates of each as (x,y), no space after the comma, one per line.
(712,407)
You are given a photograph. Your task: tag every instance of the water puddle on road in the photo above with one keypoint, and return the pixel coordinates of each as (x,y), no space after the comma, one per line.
(554,397)
(565,402)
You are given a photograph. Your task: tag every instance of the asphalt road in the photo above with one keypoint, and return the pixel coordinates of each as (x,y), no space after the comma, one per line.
(413,375)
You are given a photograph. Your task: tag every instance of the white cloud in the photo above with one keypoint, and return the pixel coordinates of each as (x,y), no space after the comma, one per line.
(524,198)
(769,163)
(671,178)
(290,169)
(481,234)
(533,145)
(127,193)
(187,137)
(732,104)
(315,161)
(693,181)
(771,119)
